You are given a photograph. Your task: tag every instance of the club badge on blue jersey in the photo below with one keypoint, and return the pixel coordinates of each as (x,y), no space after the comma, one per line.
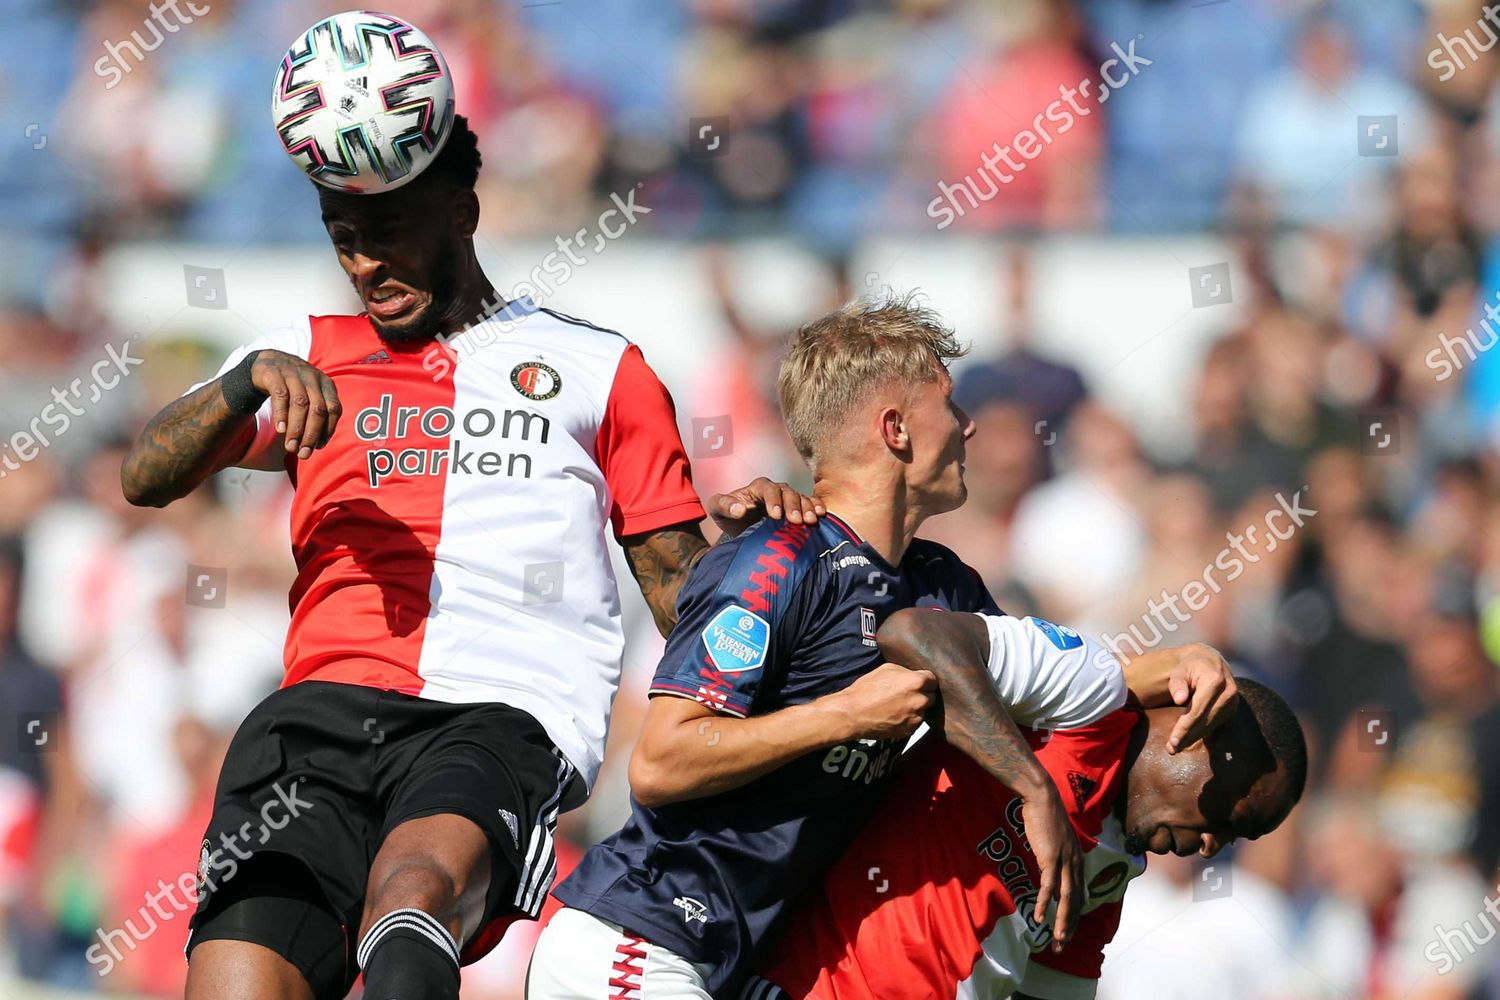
(737,639)
(1061,636)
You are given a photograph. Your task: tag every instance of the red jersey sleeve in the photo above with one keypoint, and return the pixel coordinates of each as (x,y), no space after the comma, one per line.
(641,453)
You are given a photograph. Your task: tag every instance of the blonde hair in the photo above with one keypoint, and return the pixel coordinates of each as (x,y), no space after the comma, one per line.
(835,362)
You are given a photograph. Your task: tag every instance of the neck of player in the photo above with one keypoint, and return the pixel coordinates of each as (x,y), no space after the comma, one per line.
(474,296)
(468,297)
(883,516)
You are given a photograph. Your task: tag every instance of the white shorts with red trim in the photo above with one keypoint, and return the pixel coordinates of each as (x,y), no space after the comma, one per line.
(580,957)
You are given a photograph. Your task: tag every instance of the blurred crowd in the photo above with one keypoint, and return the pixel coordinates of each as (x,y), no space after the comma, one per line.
(1350,388)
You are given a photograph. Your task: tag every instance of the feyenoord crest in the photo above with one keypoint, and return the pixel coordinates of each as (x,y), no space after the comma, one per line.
(1108,880)
(205,862)
(535,380)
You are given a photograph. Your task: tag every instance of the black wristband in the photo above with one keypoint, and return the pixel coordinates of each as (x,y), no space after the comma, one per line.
(239,392)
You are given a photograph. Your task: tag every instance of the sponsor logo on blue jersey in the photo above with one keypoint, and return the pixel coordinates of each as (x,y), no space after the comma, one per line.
(737,639)
(1061,636)
(691,909)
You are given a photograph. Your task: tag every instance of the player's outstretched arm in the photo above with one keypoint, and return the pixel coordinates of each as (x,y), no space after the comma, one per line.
(955,648)
(689,751)
(661,560)
(211,428)
(1196,677)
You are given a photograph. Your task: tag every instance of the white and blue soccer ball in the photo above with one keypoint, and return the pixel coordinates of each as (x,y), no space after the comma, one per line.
(363,102)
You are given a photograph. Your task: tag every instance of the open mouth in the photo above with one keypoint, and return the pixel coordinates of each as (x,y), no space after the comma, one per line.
(389,301)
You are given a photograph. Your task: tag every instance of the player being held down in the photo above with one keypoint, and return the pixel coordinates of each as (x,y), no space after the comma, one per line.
(776,724)
(935,897)
(455,639)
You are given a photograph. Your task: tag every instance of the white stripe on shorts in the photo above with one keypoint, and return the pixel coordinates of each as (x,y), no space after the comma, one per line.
(541,859)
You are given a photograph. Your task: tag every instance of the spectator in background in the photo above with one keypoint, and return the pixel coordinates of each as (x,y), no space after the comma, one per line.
(1020,403)
(1049,389)
(152,866)
(1378,929)
(115,119)
(1231,932)
(1430,792)
(543,139)
(1181,539)
(1287,395)
(739,382)
(28,691)
(127,681)
(751,76)
(863,153)
(1347,635)
(1036,49)
(30,712)
(1231,453)
(1004,461)
(1297,159)
(1435,250)
(1079,537)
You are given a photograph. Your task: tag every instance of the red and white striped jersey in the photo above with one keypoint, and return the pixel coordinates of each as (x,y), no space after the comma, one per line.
(450,538)
(935,897)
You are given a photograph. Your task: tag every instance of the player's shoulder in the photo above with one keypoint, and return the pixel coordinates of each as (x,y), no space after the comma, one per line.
(567,341)
(766,561)
(291,335)
(925,550)
(940,561)
(558,331)
(778,541)
(583,329)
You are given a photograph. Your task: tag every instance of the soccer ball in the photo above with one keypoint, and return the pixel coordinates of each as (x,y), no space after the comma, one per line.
(363,102)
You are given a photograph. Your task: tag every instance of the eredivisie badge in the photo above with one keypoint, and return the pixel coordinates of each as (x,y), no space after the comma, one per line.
(535,380)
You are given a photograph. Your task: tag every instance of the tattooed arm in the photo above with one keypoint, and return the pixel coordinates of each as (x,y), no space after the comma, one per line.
(200,434)
(955,647)
(188,441)
(660,561)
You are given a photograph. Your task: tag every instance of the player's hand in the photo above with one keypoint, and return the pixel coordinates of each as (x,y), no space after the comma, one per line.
(736,510)
(888,703)
(305,406)
(1202,683)
(1060,858)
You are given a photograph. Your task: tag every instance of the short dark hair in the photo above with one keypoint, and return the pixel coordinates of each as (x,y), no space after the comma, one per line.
(458,161)
(1280,729)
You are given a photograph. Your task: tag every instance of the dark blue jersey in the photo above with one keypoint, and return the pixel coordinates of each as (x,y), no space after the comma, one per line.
(779,616)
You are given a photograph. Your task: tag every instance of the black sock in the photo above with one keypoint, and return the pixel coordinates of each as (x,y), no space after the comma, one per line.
(409,955)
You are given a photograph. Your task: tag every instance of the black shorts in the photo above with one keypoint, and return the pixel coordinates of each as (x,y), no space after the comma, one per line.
(319,773)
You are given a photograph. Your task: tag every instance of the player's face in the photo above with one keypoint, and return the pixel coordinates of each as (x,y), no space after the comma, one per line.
(1199,801)
(400,256)
(938,429)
